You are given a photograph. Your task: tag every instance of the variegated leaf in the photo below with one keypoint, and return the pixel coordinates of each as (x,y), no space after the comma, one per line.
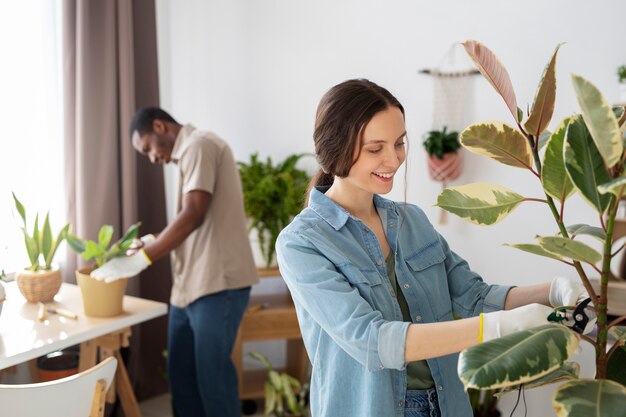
(584,165)
(554,178)
(585,229)
(590,398)
(569,248)
(618,332)
(498,141)
(600,120)
(480,203)
(543,105)
(517,358)
(568,371)
(616,366)
(615,187)
(543,138)
(493,70)
(535,250)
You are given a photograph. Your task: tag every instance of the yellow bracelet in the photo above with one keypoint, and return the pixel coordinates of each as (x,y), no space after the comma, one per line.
(146,255)
(481,326)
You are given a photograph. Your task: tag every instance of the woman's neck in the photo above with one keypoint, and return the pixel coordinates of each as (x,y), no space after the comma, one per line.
(356,201)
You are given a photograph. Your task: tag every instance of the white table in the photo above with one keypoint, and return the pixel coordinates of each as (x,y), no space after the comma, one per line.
(23,337)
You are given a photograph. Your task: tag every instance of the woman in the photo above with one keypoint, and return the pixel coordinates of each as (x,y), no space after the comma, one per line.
(376,287)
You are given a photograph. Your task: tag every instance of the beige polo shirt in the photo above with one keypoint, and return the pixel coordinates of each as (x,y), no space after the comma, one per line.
(216,256)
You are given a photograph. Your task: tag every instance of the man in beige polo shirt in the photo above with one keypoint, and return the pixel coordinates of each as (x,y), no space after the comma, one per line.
(212,262)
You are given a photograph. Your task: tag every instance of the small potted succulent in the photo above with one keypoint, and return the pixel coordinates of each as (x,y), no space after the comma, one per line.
(41,280)
(102,299)
(444,160)
(621,77)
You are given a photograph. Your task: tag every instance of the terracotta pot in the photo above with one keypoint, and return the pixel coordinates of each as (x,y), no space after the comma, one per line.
(39,286)
(101,299)
(446,169)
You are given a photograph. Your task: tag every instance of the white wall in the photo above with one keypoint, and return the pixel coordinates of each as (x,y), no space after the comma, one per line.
(254,71)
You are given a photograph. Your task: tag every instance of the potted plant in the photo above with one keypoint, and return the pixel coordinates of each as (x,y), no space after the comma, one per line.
(273,195)
(444,160)
(285,396)
(41,280)
(585,154)
(621,77)
(102,299)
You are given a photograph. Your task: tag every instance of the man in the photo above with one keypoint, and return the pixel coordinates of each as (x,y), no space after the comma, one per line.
(212,262)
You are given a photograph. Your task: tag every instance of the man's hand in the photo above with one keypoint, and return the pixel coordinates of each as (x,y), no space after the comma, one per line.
(567,292)
(123,267)
(501,323)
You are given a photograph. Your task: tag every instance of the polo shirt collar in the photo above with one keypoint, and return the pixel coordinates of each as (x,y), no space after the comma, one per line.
(183,134)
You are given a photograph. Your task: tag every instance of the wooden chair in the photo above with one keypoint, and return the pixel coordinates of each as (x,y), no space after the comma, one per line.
(78,395)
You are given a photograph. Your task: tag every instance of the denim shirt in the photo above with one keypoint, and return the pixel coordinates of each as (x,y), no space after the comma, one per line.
(351,324)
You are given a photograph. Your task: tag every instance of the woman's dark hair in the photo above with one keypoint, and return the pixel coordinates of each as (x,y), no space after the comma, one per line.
(342,114)
(143,118)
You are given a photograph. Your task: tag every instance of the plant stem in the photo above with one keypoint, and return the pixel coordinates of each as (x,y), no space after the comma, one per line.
(616,321)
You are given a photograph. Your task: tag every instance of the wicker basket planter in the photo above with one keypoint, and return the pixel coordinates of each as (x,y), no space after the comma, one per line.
(101,299)
(39,286)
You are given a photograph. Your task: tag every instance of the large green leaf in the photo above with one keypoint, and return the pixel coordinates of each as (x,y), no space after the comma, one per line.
(616,366)
(46,238)
(600,120)
(554,178)
(584,165)
(585,229)
(569,371)
(62,235)
(569,248)
(480,203)
(543,105)
(535,250)
(615,187)
(590,398)
(20,209)
(77,244)
(493,70)
(498,141)
(104,236)
(517,358)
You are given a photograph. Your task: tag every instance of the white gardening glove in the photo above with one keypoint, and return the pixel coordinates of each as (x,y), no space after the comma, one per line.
(122,267)
(567,292)
(140,243)
(501,323)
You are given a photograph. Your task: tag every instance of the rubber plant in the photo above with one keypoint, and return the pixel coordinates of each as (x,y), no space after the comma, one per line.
(273,195)
(585,155)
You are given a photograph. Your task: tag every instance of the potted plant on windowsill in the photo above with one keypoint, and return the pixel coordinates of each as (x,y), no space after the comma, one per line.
(40,281)
(102,299)
(444,160)
(584,154)
(273,195)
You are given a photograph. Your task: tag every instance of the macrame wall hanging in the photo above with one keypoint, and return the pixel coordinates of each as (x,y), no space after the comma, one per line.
(452,100)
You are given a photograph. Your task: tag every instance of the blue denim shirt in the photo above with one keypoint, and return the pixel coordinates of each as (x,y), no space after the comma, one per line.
(350,321)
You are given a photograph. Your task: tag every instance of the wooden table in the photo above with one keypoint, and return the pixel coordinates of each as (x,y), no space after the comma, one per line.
(23,337)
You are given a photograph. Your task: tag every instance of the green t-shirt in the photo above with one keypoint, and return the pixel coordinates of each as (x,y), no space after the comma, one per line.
(418,374)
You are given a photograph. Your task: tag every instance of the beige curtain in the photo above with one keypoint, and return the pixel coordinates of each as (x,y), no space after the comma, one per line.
(110,70)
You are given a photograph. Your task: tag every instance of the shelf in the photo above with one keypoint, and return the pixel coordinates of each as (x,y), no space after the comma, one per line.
(268,272)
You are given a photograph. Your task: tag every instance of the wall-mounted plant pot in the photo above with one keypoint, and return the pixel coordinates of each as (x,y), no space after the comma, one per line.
(39,286)
(101,299)
(616,293)
(446,169)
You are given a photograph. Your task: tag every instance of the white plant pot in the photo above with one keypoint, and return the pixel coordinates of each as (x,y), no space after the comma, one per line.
(259,260)
(622,93)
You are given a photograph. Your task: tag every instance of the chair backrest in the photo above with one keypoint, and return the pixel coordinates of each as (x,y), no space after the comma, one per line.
(79,395)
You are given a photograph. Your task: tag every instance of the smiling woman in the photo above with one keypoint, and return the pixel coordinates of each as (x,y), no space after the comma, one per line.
(30,112)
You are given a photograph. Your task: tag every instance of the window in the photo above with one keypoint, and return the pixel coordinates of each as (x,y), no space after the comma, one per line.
(31,154)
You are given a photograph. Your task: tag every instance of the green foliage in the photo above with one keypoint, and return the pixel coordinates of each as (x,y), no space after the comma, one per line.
(41,245)
(284,394)
(584,155)
(101,251)
(439,142)
(273,195)
(621,74)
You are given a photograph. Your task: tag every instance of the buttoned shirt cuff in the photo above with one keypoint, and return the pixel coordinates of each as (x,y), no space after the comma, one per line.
(391,344)
(494,301)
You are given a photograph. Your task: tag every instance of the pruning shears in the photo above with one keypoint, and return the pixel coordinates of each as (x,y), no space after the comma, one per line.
(581,315)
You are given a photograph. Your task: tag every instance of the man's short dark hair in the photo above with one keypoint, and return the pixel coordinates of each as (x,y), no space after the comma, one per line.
(143,118)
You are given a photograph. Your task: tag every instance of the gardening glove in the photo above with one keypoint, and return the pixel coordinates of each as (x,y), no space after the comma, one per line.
(140,243)
(567,292)
(502,323)
(123,267)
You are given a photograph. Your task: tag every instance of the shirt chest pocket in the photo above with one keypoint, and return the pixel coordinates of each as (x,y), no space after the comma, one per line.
(424,258)
(360,278)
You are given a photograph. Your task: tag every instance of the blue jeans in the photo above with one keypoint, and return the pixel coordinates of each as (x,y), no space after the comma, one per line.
(202,376)
(421,403)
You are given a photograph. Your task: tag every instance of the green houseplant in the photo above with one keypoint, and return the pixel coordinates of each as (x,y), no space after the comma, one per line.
(444,160)
(273,195)
(585,155)
(285,396)
(101,299)
(41,280)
